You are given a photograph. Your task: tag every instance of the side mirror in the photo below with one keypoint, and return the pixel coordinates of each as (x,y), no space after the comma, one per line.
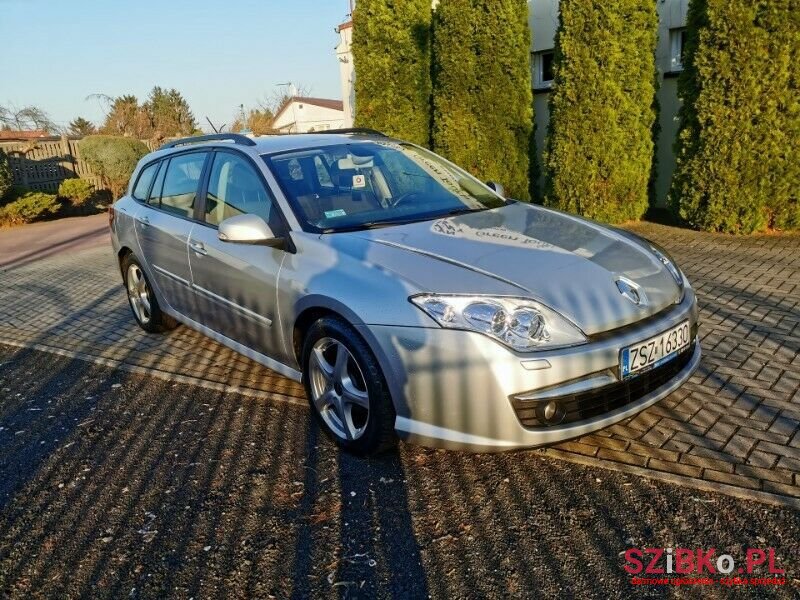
(497,187)
(248,229)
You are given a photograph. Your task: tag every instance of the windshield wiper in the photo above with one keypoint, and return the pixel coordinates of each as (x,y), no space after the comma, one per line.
(373,225)
(460,211)
(391,222)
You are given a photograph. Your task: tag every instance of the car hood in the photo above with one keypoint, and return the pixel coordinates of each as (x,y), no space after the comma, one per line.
(569,264)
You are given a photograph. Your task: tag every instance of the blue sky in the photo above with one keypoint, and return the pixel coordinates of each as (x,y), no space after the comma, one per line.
(217,53)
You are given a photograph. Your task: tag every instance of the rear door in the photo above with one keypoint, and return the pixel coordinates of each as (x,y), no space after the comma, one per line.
(163,229)
(236,284)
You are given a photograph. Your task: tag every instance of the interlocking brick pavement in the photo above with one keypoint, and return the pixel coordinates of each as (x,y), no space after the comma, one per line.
(75,302)
(736,422)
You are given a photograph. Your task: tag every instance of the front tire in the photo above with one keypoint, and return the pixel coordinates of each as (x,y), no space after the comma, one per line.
(346,388)
(142,300)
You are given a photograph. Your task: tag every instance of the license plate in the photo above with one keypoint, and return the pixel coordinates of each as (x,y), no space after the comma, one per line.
(654,352)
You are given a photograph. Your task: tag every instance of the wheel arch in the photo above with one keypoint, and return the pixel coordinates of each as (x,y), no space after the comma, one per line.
(314,307)
(123,252)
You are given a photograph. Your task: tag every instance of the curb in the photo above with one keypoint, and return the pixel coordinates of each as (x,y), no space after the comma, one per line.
(682,480)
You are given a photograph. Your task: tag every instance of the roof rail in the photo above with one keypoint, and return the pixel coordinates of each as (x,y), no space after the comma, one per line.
(363,130)
(228,137)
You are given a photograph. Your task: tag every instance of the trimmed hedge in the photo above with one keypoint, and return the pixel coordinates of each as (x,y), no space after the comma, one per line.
(392,57)
(113,158)
(738,147)
(6,177)
(77,191)
(599,151)
(482,99)
(27,208)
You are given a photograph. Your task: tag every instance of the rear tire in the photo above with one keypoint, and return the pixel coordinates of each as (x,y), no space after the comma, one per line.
(142,300)
(346,388)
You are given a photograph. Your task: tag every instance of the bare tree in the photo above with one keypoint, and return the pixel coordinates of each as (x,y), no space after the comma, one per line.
(274,102)
(256,120)
(26,118)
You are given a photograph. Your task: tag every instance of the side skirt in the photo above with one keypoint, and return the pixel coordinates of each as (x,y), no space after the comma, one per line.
(263,359)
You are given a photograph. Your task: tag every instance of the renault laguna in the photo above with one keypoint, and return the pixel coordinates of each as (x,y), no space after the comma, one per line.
(412,300)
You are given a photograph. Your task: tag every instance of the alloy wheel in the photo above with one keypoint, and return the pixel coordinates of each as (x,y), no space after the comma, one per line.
(138,293)
(338,389)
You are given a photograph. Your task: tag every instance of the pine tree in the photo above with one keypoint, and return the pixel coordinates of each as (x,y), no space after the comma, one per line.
(81,126)
(392,56)
(599,150)
(739,140)
(482,99)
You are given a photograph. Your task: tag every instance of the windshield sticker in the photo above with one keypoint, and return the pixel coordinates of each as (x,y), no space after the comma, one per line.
(339,212)
(359,181)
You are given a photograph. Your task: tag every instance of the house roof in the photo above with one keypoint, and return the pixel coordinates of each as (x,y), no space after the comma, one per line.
(11,134)
(346,25)
(323,102)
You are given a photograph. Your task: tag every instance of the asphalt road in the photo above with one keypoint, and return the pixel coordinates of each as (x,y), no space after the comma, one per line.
(116,485)
(27,243)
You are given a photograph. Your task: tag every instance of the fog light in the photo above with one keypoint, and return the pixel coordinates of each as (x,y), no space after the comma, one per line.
(551,413)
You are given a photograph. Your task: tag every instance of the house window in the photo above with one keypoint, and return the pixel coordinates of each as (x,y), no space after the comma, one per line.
(543,68)
(677,43)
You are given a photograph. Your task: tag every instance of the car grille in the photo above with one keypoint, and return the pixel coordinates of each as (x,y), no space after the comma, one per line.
(593,403)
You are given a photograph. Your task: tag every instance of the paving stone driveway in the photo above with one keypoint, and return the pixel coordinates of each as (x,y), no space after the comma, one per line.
(736,422)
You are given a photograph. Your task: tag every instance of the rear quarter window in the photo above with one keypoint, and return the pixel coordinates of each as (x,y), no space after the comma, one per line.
(143,182)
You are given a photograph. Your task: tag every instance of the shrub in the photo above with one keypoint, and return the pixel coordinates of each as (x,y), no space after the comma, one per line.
(599,150)
(77,191)
(112,158)
(6,178)
(392,54)
(27,208)
(482,99)
(739,138)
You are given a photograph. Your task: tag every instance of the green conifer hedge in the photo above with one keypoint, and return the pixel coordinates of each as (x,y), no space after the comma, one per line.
(738,148)
(599,151)
(482,99)
(392,57)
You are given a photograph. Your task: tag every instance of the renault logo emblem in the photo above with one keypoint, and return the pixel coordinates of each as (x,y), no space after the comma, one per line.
(631,291)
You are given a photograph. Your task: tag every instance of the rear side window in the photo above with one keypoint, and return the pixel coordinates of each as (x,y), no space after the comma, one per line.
(181,181)
(143,183)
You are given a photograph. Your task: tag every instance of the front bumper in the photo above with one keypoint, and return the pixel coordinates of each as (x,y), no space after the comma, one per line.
(452,389)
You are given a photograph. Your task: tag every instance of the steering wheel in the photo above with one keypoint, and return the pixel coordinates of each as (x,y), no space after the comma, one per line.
(403,197)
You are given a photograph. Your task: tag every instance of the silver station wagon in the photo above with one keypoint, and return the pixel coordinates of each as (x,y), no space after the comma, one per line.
(411,299)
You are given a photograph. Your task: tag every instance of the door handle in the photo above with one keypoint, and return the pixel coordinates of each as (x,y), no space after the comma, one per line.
(144,221)
(198,247)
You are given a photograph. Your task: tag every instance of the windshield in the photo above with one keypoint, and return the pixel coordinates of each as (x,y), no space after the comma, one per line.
(374,184)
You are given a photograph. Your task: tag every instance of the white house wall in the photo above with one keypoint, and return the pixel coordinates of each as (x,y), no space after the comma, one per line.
(309,117)
(347,73)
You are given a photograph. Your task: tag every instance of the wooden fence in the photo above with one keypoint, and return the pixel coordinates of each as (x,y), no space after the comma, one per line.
(44,163)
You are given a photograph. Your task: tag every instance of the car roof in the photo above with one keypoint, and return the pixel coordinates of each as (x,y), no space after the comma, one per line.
(269,144)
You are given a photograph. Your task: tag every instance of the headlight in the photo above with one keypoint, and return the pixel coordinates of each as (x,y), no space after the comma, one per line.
(519,323)
(666,259)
